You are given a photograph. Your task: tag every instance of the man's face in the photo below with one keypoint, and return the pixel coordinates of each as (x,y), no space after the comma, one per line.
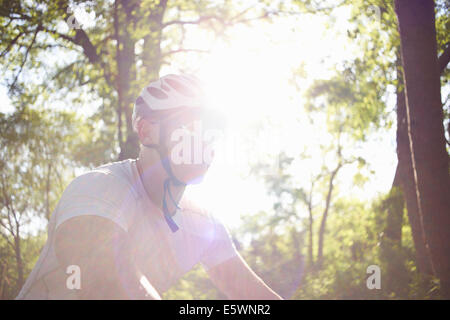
(189,153)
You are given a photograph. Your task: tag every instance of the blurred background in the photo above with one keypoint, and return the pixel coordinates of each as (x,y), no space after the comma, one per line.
(313,176)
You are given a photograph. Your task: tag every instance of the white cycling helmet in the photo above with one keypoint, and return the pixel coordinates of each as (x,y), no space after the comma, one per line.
(169,92)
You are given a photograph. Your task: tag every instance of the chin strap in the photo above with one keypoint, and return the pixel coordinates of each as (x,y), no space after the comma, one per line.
(163,155)
(172,225)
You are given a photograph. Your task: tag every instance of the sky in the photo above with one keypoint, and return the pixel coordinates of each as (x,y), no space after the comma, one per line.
(249,79)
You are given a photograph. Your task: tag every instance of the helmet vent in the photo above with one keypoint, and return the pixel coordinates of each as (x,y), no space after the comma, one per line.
(180,88)
(164,87)
(140,101)
(157,93)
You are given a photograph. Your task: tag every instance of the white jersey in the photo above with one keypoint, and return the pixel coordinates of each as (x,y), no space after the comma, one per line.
(115,191)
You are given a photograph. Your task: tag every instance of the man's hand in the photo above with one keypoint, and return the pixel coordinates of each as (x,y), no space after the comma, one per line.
(237,280)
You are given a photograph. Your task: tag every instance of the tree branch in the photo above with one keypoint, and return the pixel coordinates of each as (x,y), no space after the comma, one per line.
(7,205)
(82,39)
(444,59)
(7,239)
(4,52)
(199,20)
(185,50)
(13,84)
(2,224)
(235,20)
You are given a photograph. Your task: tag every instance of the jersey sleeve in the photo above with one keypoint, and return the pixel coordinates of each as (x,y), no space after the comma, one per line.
(97,193)
(221,248)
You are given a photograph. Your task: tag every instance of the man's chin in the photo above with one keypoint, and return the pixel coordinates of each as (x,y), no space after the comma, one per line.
(193,175)
(196,178)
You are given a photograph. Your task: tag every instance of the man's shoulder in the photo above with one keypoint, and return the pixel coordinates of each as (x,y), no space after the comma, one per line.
(194,208)
(102,191)
(120,169)
(198,214)
(104,179)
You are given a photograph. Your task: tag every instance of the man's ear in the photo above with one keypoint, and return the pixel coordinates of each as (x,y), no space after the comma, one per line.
(148,131)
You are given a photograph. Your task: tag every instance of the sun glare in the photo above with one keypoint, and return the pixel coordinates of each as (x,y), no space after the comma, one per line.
(249,79)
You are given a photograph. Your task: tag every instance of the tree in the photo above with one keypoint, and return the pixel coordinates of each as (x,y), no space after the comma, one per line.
(383,35)
(429,157)
(33,163)
(114,58)
(391,211)
(404,178)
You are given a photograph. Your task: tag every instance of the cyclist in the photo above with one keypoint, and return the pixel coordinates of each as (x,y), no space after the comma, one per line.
(125,231)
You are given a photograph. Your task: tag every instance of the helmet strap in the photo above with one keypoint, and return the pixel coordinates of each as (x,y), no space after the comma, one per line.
(167,216)
(164,158)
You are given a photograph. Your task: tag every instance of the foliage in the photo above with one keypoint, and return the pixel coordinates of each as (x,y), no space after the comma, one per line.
(35,151)
(32,245)
(195,285)
(74,112)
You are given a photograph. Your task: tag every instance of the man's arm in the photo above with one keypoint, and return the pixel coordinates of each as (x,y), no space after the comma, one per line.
(238,281)
(100,248)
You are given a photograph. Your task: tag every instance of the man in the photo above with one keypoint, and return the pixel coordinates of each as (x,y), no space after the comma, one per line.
(125,231)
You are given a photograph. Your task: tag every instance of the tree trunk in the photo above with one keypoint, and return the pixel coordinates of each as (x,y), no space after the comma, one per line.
(47,192)
(391,244)
(126,70)
(151,55)
(18,254)
(128,88)
(311,243)
(118,87)
(425,129)
(394,219)
(325,216)
(3,269)
(406,178)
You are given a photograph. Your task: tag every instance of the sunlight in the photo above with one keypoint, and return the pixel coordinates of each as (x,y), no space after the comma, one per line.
(249,81)
(294,183)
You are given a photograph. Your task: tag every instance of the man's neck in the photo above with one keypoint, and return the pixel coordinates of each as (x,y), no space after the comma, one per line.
(153,175)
